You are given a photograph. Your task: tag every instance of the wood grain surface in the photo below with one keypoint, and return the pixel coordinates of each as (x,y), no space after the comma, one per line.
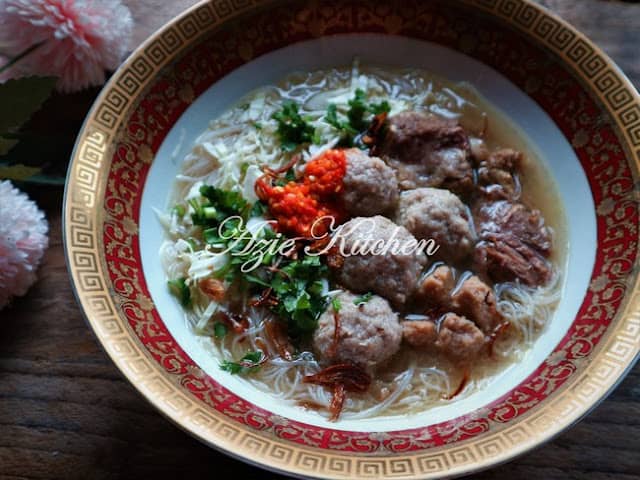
(67,413)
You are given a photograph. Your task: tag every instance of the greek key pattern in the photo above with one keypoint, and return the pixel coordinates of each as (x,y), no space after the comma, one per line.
(116,147)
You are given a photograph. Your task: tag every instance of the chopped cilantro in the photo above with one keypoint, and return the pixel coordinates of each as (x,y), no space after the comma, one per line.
(357,111)
(257,125)
(362,299)
(298,287)
(359,117)
(293,129)
(378,108)
(249,363)
(258,209)
(180,289)
(290,175)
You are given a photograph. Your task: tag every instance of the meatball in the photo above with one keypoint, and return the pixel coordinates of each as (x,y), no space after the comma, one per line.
(515,243)
(475,300)
(379,256)
(431,213)
(428,151)
(453,336)
(368,333)
(498,175)
(370,186)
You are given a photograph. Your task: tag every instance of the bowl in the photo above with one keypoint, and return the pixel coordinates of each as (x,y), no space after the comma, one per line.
(575,108)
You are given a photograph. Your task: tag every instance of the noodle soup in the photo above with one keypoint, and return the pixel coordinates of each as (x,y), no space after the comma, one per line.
(298,325)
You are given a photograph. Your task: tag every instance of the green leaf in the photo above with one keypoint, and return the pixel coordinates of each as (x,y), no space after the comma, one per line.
(20,98)
(249,363)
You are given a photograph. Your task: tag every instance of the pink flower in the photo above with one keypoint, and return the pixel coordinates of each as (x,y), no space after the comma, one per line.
(23,240)
(80,38)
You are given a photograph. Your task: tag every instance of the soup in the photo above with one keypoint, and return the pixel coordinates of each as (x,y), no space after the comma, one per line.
(365,241)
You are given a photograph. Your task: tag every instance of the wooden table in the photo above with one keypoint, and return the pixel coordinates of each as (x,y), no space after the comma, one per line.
(66,412)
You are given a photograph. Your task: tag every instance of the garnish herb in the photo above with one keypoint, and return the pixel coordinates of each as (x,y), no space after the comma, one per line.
(296,286)
(218,205)
(219,330)
(257,125)
(293,129)
(358,119)
(180,289)
(362,299)
(249,363)
(335,303)
(258,209)
(299,289)
(179,210)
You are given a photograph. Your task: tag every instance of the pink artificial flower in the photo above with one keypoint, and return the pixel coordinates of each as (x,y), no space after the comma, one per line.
(80,38)
(23,240)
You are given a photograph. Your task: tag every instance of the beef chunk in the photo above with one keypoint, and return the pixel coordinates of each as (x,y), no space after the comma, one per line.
(428,151)
(505,258)
(435,288)
(459,339)
(472,298)
(419,333)
(516,219)
(454,336)
(498,175)
(475,300)
(514,243)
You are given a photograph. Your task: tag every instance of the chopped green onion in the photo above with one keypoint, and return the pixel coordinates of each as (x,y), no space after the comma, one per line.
(179,210)
(335,303)
(362,299)
(210,212)
(219,330)
(181,291)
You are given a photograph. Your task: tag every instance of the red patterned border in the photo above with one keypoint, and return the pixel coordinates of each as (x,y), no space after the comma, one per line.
(528,66)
